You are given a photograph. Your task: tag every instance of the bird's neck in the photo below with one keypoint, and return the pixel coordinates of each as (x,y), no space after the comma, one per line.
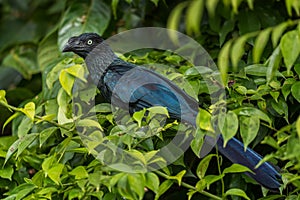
(98,60)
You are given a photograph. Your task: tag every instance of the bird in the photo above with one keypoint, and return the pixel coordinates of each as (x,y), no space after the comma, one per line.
(143,88)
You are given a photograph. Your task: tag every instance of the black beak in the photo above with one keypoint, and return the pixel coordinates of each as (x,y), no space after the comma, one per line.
(68,47)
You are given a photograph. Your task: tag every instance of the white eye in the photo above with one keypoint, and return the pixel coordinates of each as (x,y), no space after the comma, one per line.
(89,42)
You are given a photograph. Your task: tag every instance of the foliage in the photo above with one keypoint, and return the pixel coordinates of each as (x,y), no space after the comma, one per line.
(256,46)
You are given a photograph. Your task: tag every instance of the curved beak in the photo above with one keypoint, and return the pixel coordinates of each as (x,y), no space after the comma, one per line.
(68,47)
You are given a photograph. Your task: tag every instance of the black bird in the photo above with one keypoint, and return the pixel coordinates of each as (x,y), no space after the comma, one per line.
(106,69)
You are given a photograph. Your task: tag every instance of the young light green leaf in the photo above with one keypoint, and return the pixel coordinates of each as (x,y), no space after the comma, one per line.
(79,172)
(251,111)
(238,50)
(223,61)
(248,128)
(260,44)
(228,124)
(10,119)
(77,71)
(137,183)
(194,16)
(89,123)
(163,188)
(204,120)
(29,110)
(197,142)
(295,89)
(290,48)
(298,126)
(236,168)
(178,176)
(211,7)
(277,32)
(139,116)
(273,64)
(7,172)
(203,165)
(55,172)
(237,192)
(66,81)
(152,181)
(235,5)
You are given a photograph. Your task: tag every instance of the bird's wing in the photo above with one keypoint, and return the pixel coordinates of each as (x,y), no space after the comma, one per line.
(142,88)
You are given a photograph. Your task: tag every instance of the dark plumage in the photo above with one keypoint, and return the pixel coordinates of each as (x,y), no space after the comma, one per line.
(106,69)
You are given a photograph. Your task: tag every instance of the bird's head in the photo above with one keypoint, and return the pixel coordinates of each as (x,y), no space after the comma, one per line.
(83,44)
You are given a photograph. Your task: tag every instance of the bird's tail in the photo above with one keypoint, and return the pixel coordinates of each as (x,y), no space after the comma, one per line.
(265,174)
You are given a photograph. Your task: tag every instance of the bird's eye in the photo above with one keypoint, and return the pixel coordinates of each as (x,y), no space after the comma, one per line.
(89,42)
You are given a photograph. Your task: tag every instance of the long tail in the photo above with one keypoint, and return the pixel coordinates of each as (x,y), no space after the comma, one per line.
(266,174)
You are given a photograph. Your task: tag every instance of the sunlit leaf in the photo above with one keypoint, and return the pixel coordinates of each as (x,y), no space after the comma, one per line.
(248,128)
(228,124)
(223,60)
(203,166)
(295,89)
(290,48)
(260,44)
(237,192)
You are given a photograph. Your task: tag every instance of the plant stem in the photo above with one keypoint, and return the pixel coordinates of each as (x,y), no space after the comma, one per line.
(190,186)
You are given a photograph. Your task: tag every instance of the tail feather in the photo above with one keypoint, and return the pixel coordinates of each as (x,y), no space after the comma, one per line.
(265,174)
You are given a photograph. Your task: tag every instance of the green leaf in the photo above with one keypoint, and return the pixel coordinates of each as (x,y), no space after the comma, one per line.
(235,5)
(290,48)
(203,165)
(237,192)
(197,142)
(48,52)
(7,172)
(277,32)
(260,44)
(211,7)
(10,119)
(236,168)
(23,59)
(298,126)
(223,61)
(103,108)
(238,50)
(227,27)
(248,128)
(29,110)
(139,116)
(163,188)
(254,112)
(137,184)
(89,123)
(79,172)
(194,16)
(295,89)
(45,134)
(204,120)
(25,142)
(248,21)
(178,176)
(175,15)
(273,65)
(286,88)
(55,172)
(158,110)
(152,181)
(77,71)
(66,81)
(12,149)
(114,6)
(83,17)
(228,124)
